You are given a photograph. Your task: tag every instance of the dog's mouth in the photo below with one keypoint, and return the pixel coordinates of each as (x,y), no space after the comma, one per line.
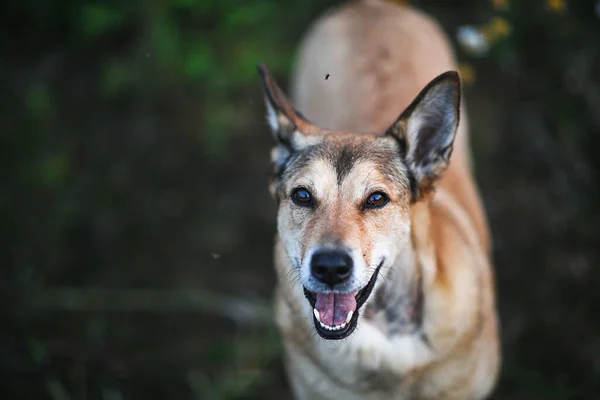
(335,315)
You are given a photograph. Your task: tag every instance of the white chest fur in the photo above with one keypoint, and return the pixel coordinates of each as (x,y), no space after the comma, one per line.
(366,365)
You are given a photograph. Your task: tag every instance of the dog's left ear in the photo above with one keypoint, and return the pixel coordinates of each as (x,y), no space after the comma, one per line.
(426,129)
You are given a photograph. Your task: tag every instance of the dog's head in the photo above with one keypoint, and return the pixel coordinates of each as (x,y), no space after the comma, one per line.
(345,198)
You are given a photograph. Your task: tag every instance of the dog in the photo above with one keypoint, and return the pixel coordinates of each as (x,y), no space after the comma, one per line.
(382,252)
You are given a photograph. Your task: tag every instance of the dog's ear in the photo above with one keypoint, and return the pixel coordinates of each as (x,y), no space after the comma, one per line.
(290,129)
(426,129)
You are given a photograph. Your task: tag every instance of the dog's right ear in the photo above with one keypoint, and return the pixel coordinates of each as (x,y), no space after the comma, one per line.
(290,129)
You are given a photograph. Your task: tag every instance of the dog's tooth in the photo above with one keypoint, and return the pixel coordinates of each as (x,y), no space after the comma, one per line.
(330,327)
(317,315)
(349,316)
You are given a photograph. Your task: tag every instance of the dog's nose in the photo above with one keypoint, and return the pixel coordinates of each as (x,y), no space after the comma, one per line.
(331,267)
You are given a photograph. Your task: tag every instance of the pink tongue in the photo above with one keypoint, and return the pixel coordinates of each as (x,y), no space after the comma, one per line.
(333,308)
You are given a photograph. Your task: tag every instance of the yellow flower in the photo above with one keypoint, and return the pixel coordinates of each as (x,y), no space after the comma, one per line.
(496,29)
(500,26)
(557,5)
(467,74)
(500,4)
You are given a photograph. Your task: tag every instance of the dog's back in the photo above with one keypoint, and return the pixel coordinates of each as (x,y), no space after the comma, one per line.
(363,63)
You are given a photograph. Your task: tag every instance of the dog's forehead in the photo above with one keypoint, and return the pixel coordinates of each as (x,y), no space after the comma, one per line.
(347,151)
(342,156)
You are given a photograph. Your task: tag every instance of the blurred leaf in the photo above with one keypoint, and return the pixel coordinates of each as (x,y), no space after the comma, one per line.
(186,3)
(219,351)
(248,59)
(116,77)
(166,42)
(98,18)
(199,60)
(244,57)
(53,169)
(37,351)
(220,117)
(197,5)
(253,14)
(38,101)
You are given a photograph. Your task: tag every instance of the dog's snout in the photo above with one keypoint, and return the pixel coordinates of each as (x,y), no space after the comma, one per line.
(331,267)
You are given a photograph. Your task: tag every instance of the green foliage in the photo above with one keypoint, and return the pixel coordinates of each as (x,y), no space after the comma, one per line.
(220,117)
(38,101)
(199,60)
(53,169)
(250,15)
(116,77)
(37,351)
(204,49)
(97,18)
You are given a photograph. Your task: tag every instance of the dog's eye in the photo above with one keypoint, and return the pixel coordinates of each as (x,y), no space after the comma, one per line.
(376,200)
(302,197)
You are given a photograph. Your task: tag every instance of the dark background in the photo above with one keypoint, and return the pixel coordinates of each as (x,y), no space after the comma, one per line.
(136,227)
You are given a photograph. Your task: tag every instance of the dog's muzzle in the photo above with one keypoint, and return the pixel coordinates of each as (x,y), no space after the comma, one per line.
(336,314)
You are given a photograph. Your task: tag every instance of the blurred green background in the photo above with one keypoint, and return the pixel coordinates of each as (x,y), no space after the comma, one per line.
(137,229)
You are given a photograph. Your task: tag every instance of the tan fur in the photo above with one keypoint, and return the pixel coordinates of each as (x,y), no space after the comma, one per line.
(378,57)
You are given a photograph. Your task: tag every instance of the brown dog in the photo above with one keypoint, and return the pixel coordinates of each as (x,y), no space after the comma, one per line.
(382,251)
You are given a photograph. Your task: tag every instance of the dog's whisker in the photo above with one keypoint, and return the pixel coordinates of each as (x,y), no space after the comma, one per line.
(293,276)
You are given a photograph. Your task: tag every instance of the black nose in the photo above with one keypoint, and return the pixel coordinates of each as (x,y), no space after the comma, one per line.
(331,267)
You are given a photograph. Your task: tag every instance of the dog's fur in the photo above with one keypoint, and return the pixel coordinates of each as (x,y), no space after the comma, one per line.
(428,330)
